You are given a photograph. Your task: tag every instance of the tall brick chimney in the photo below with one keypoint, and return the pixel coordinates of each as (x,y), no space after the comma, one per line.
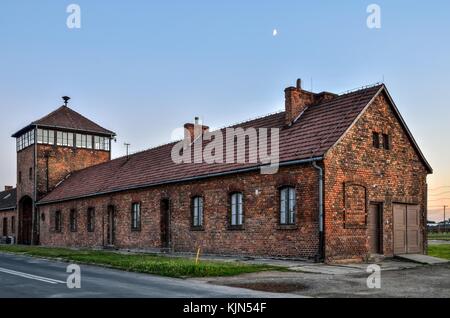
(297,100)
(194,130)
(7,188)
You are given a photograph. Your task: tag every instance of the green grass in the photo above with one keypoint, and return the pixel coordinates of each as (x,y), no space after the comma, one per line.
(439,236)
(144,263)
(441,251)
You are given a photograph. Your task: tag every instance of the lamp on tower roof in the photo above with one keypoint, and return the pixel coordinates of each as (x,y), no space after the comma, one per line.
(66,100)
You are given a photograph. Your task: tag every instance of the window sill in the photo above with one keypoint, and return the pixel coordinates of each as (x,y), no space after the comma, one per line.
(236,228)
(287,227)
(197,228)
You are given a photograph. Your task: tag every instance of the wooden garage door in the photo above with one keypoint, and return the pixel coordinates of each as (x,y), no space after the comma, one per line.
(406,229)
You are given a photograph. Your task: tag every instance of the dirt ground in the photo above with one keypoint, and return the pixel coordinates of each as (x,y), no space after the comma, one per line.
(423,281)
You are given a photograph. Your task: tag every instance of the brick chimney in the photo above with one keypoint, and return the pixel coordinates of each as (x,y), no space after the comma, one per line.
(194,130)
(297,100)
(7,188)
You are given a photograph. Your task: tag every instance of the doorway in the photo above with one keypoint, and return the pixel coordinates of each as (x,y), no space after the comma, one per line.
(5,226)
(375,228)
(407,234)
(25,220)
(164,223)
(111,226)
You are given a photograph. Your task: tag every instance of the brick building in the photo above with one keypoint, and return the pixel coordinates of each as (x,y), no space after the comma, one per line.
(351,183)
(8,214)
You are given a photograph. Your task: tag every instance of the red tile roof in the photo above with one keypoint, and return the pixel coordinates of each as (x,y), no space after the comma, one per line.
(8,200)
(66,118)
(318,129)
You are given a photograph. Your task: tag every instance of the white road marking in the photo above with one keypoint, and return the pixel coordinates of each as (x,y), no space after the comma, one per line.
(30,276)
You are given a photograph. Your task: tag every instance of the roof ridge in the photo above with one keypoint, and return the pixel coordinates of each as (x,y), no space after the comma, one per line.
(361,88)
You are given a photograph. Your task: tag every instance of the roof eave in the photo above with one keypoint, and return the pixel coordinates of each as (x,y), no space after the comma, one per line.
(34,125)
(206,176)
(8,208)
(23,130)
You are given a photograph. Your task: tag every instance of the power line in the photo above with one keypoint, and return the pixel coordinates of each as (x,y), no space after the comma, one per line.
(439,199)
(438,188)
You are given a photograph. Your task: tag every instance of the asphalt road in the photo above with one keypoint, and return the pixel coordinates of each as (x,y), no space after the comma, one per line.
(23,276)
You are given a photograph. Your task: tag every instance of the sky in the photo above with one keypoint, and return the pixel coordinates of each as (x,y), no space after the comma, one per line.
(144,68)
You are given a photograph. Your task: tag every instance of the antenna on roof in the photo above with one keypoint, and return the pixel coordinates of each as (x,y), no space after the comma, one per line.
(66,100)
(127,145)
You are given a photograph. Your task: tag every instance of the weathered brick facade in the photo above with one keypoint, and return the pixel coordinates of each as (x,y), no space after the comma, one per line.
(61,161)
(11,223)
(262,234)
(396,175)
(318,131)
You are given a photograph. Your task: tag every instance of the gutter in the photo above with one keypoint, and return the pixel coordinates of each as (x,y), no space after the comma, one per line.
(8,208)
(74,130)
(212,175)
(320,253)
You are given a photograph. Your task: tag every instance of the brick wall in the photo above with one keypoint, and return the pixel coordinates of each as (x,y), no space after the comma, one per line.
(395,175)
(261,235)
(25,161)
(61,162)
(9,215)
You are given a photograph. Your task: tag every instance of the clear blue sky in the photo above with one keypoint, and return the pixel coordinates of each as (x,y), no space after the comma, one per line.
(143,68)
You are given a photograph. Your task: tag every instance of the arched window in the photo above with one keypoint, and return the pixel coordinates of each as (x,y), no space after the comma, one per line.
(197,211)
(288,206)
(237,209)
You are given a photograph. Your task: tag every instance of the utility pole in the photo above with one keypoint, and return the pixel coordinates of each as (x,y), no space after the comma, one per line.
(445,220)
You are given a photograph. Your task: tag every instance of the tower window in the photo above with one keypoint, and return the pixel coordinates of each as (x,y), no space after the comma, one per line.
(84,141)
(20,177)
(45,136)
(30,173)
(101,143)
(26,140)
(64,139)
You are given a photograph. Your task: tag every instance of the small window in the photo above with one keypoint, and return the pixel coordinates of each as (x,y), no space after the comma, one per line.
(30,173)
(90,220)
(376,139)
(20,176)
(386,142)
(73,220)
(58,221)
(287,206)
(136,216)
(197,211)
(237,213)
